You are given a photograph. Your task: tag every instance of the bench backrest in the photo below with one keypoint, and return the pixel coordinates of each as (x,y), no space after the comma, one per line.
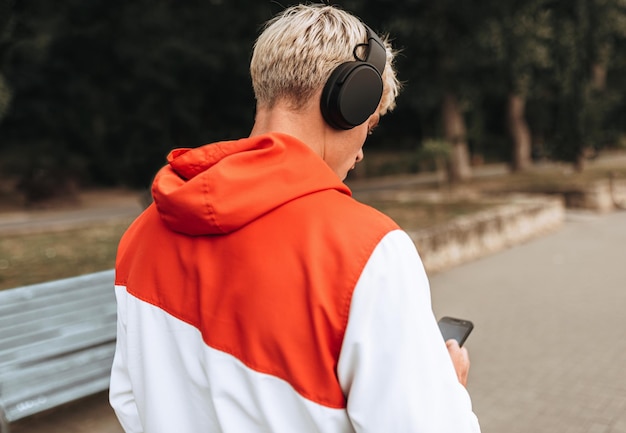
(57,341)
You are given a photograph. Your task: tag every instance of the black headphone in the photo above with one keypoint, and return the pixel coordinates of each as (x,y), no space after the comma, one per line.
(354,89)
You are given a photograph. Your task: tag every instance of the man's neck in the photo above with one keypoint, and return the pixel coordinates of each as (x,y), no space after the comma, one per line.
(306,124)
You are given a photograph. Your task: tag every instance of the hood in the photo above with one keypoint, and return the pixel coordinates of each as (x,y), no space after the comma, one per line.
(218,188)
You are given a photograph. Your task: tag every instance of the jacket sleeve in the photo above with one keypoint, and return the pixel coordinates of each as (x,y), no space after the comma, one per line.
(394,367)
(121,394)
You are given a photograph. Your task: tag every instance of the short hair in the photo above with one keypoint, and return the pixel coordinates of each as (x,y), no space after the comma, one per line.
(300,47)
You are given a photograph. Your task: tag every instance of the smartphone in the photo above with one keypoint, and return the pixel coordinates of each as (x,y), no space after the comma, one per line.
(458,329)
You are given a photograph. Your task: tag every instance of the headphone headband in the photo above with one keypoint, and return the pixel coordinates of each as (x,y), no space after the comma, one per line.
(376,52)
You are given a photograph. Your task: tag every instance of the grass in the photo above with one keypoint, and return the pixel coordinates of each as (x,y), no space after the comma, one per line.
(39,257)
(421,214)
(553,180)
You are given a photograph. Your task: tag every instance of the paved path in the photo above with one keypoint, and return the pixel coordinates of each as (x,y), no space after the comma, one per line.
(549,348)
(91,207)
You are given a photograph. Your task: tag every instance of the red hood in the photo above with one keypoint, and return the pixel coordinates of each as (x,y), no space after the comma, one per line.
(220,187)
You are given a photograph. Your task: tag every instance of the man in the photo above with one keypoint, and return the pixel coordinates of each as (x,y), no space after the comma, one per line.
(255,294)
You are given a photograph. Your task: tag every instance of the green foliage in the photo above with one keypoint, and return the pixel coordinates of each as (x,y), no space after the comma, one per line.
(435,153)
(513,43)
(435,149)
(585,35)
(100,91)
(438,42)
(113,86)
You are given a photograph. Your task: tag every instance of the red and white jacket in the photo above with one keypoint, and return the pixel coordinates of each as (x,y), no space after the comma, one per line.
(256,295)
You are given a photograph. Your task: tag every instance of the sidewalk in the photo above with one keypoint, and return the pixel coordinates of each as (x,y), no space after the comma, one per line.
(549,345)
(91,207)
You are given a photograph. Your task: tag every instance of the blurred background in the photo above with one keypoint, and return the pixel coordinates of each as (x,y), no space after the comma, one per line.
(96,93)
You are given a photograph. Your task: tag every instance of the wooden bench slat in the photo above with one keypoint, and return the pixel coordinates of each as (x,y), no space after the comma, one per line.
(68,343)
(52,367)
(53,289)
(84,336)
(24,293)
(54,399)
(34,330)
(79,368)
(14,312)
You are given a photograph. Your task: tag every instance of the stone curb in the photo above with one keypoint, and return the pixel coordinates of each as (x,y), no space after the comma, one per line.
(601,196)
(471,237)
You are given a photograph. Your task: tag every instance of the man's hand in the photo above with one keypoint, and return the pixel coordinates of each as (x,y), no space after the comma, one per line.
(460,359)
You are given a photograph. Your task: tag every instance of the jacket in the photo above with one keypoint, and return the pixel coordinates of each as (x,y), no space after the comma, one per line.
(256,294)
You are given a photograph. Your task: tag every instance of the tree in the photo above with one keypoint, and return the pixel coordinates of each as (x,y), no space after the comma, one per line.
(103,90)
(584,35)
(515,41)
(440,57)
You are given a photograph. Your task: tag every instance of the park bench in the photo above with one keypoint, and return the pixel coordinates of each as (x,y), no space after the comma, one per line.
(57,341)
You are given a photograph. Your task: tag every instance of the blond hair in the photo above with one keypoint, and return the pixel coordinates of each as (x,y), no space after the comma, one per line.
(300,47)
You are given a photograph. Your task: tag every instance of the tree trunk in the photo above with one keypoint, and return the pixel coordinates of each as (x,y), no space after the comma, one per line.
(598,76)
(597,84)
(455,133)
(519,131)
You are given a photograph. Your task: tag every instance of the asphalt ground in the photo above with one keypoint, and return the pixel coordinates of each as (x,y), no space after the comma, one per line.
(548,350)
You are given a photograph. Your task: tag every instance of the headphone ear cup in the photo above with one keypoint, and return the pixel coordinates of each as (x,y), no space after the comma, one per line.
(351,95)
